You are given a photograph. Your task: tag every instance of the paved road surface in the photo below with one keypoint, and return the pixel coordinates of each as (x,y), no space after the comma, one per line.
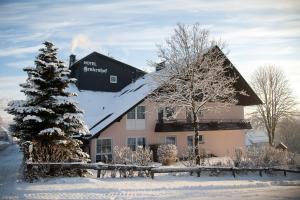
(10,160)
(136,188)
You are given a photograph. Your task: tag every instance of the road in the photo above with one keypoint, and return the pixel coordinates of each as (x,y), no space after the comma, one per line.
(10,160)
(162,187)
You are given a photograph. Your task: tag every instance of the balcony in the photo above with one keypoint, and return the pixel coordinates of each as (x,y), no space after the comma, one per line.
(179,125)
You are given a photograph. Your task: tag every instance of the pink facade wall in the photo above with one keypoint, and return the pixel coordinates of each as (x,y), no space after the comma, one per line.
(220,143)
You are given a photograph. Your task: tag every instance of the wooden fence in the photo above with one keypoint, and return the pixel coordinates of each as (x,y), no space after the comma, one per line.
(156,170)
(233,170)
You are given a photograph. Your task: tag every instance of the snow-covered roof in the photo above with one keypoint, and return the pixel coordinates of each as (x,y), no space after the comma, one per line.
(92,103)
(256,137)
(103,108)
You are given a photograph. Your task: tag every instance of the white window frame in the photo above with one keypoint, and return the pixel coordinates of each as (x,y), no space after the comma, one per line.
(136,140)
(135,123)
(135,109)
(103,154)
(200,141)
(113,79)
(187,140)
(132,111)
(137,113)
(171,136)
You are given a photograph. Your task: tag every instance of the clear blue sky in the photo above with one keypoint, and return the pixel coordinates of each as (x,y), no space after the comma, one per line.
(256,32)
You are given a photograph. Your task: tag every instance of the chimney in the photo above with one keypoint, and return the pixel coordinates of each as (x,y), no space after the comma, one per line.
(72,60)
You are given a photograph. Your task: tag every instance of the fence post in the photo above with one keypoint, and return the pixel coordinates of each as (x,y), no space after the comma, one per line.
(152,175)
(260,173)
(29,172)
(198,172)
(98,173)
(284,171)
(233,172)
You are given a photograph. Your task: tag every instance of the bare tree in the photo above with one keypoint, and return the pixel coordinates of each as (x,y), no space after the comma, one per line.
(272,87)
(194,75)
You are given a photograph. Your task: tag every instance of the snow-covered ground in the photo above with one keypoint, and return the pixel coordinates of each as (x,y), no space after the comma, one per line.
(162,187)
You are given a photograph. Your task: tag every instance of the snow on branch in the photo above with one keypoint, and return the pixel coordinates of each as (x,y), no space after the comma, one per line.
(61,100)
(32,117)
(195,72)
(32,91)
(52,131)
(31,109)
(196,75)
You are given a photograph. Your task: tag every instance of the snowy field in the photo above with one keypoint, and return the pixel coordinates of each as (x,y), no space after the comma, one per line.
(162,187)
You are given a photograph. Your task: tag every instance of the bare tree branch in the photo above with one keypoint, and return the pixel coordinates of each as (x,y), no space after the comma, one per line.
(195,74)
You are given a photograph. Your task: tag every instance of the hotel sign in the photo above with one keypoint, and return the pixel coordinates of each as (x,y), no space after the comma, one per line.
(89,66)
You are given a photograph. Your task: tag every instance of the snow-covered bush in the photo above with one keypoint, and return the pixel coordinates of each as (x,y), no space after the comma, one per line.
(143,156)
(167,154)
(122,155)
(294,159)
(238,157)
(265,156)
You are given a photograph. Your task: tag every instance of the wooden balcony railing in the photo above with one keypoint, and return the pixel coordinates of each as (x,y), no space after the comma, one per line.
(180,125)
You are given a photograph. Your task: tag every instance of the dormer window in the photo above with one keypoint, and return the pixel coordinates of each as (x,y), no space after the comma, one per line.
(166,113)
(113,79)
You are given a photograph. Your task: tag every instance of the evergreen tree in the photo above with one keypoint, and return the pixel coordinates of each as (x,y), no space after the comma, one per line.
(48,118)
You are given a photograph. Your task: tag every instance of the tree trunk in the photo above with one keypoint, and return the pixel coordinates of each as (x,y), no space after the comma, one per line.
(271,136)
(270,139)
(196,138)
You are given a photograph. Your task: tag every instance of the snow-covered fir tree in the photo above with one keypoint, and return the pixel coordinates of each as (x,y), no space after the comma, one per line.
(48,119)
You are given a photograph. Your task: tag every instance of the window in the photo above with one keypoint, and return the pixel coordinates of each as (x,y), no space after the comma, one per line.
(104,150)
(140,112)
(169,112)
(166,113)
(190,141)
(113,79)
(136,118)
(141,141)
(201,139)
(131,114)
(133,143)
(136,113)
(171,140)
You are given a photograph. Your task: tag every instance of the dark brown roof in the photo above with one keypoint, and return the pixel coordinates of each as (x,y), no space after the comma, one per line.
(241,84)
